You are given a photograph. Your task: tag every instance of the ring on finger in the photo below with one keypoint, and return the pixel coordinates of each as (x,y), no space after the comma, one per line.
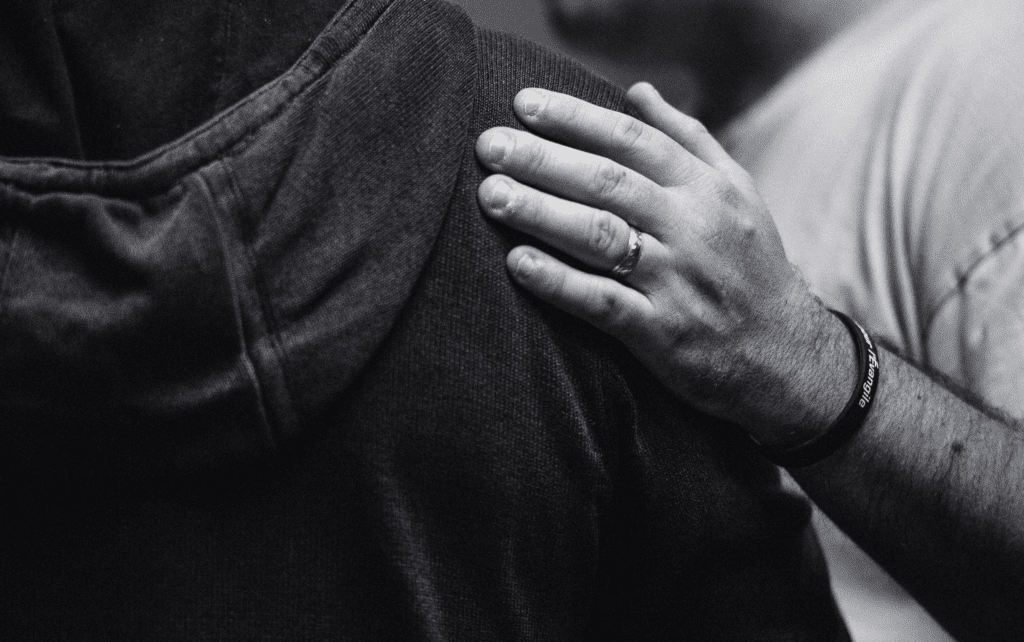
(632,258)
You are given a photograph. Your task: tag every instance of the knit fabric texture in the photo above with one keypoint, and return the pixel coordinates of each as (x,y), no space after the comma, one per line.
(271,381)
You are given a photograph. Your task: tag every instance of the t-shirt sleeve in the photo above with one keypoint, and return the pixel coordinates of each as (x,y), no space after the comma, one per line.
(968,198)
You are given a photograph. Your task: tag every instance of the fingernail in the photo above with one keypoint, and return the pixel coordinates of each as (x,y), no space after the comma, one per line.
(501,144)
(500,197)
(525,265)
(532,101)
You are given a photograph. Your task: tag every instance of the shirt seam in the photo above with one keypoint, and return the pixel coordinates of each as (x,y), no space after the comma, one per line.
(964,278)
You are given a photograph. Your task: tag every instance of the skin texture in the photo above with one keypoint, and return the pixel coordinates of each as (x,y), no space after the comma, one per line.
(694,314)
(932,485)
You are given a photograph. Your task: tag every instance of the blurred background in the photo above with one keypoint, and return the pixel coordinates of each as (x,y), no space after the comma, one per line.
(529,18)
(710,58)
(713,59)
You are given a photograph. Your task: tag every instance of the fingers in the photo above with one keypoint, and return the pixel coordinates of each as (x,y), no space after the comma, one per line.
(595,237)
(603,132)
(683,129)
(575,175)
(609,305)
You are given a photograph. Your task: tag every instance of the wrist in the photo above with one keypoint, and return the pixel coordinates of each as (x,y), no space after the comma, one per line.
(854,413)
(812,392)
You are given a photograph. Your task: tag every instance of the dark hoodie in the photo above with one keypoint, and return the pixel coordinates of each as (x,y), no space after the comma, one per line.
(270,381)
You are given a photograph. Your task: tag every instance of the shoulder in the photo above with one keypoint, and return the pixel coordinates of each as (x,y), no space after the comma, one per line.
(509,63)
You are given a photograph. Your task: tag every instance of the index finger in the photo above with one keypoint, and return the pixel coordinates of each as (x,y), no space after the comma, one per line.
(614,135)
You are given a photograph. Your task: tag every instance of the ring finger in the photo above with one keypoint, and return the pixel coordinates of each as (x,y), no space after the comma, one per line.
(595,237)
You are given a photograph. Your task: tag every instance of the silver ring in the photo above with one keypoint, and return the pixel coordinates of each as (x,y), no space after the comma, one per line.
(629,262)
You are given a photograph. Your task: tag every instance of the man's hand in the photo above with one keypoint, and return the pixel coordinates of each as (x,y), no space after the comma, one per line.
(713,307)
(931,485)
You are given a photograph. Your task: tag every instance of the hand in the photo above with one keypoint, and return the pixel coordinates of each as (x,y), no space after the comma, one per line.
(713,307)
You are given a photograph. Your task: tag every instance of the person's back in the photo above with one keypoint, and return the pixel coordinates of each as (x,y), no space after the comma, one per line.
(271,381)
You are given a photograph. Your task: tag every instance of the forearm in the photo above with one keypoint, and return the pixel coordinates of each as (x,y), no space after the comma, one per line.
(933,488)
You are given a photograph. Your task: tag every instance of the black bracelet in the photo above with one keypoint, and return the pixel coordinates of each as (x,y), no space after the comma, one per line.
(853,415)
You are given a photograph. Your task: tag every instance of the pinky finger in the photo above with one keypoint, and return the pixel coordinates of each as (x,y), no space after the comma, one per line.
(607,304)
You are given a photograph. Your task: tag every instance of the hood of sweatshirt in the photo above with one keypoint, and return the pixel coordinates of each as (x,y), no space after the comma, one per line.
(202,303)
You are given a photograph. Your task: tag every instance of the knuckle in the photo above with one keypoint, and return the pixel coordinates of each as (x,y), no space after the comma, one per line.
(601,237)
(729,194)
(607,180)
(522,208)
(552,283)
(609,310)
(628,133)
(746,227)
(572,110)
(535,157)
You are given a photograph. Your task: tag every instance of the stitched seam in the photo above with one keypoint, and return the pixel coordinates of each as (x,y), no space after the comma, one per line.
(235,286)
(231,151)
(964,278)
(244,133)
(268,318)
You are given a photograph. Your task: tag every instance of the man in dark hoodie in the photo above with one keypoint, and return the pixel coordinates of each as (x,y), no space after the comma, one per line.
(263,375)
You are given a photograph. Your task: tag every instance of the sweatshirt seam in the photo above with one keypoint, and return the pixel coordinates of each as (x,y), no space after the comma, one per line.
(240,257)
(236,282)
(269,321)
(312,66)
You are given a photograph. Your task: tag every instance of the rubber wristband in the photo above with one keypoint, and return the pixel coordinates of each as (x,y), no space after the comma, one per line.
(853,415)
